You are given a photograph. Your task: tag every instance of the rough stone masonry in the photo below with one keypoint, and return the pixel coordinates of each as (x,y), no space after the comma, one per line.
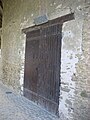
(75,59)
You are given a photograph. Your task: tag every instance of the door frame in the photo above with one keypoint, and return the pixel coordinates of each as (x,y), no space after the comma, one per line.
(59,20)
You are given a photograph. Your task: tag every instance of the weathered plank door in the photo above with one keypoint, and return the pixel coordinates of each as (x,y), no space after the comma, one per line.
(42,66)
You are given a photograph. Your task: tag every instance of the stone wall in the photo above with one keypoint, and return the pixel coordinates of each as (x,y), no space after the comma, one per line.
(0,65)
(0,56)
(75,60)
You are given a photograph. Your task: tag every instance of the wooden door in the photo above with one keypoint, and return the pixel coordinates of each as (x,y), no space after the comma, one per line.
(42,66)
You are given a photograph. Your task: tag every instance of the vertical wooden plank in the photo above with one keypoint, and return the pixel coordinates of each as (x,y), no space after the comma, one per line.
(31,67)
(49,69)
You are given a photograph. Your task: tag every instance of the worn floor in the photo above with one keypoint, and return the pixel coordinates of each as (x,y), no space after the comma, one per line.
(16,107)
